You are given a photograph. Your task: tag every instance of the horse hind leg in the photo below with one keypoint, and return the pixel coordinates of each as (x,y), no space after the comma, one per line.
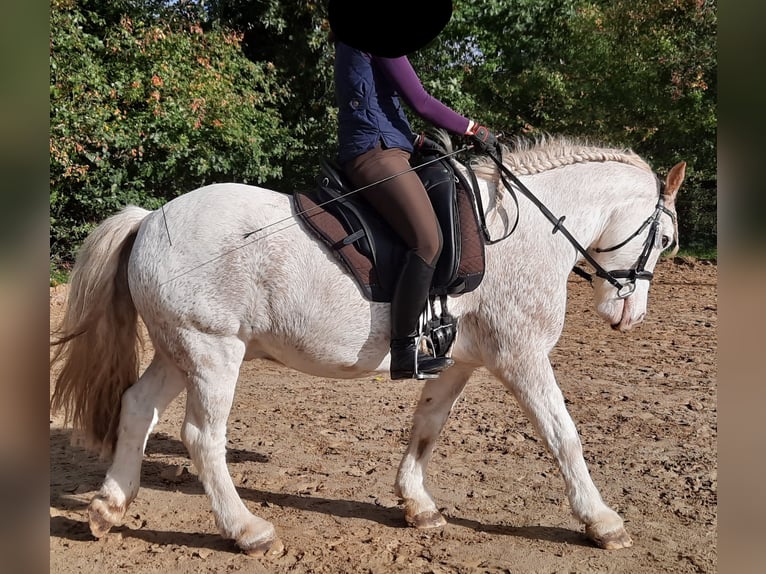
(142,405)
(209,399)
(436,402)
(533,383)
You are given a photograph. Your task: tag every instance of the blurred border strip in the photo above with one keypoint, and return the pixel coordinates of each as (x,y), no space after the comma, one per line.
(24,468)
(742,288)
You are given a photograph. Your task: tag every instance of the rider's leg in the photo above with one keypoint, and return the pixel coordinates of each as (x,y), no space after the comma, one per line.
(407,304)
(403,202)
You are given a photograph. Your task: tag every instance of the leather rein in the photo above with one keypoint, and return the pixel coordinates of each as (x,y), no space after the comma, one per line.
(635,273)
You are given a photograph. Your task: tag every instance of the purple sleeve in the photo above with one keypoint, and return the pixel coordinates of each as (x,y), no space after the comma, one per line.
(403,76)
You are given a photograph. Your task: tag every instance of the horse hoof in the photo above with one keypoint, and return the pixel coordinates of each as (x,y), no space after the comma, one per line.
(424,520)
(269,548)
(102,516)
(610,540)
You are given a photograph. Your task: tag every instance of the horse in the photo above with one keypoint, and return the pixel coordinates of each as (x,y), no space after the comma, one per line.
(210,299)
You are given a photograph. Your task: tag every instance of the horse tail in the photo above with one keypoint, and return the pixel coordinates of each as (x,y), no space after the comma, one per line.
(97,344)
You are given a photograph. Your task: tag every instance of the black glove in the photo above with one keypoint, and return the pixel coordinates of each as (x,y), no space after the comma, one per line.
(483,139)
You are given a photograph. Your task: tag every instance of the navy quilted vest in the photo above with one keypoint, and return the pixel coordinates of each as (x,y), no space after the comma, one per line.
(366,115)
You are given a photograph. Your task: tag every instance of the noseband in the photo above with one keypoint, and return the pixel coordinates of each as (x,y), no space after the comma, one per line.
(639,270)
(635,273)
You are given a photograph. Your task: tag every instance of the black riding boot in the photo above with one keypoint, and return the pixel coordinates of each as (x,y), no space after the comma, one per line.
(408,301)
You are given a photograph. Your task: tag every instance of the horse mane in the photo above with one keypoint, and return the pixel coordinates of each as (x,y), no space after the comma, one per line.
(528,156)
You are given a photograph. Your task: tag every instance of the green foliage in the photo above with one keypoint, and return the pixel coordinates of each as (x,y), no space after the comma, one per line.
(293,36)
(152,98)
(702,253)
(58,275)
(634,73)
(147,111)
(660,97)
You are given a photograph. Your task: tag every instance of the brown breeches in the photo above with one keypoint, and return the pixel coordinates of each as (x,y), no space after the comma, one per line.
(401,201)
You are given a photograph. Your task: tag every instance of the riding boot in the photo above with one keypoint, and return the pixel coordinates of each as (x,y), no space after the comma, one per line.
(408,301)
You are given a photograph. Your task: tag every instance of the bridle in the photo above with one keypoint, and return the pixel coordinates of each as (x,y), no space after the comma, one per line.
(638,271)
(635,273)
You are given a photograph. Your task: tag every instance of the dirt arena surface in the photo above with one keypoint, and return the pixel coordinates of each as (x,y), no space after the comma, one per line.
(318,458)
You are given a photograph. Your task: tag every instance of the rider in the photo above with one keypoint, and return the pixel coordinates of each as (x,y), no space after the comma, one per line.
(375,142)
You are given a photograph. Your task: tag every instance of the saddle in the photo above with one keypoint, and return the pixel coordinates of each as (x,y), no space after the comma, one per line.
(373,253)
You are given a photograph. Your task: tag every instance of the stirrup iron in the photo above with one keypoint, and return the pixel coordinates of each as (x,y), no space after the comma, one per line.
(416,374)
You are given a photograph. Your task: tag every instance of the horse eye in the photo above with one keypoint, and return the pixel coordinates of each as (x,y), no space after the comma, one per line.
(665,241)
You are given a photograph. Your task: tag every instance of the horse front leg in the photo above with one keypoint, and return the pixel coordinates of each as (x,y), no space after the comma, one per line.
(532,381)
(436,401)
(142,405)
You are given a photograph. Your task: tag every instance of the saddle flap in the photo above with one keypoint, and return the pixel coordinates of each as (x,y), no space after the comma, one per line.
(439,181)
(460,268)
(353,231)
(329,228)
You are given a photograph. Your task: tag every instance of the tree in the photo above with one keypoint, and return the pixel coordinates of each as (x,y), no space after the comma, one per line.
(633,73)
(293,36)
(152,98)
(144,110)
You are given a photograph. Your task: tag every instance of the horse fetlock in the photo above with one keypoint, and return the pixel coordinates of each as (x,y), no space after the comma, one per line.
(102,515)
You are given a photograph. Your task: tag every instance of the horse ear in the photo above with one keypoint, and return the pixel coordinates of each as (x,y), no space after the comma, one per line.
(674,180)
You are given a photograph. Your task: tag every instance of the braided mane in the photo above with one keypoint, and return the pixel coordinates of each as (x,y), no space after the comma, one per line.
(527,157)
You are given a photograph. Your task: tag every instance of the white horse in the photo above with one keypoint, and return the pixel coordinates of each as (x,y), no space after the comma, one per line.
(211,298)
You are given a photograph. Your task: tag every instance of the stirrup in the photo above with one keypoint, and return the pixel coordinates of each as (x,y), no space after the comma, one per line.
(416,372)
(413,363)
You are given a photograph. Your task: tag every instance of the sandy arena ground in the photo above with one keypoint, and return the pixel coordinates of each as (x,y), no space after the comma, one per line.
(318,457)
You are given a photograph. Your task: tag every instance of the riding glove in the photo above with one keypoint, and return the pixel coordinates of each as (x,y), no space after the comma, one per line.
(483,139)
